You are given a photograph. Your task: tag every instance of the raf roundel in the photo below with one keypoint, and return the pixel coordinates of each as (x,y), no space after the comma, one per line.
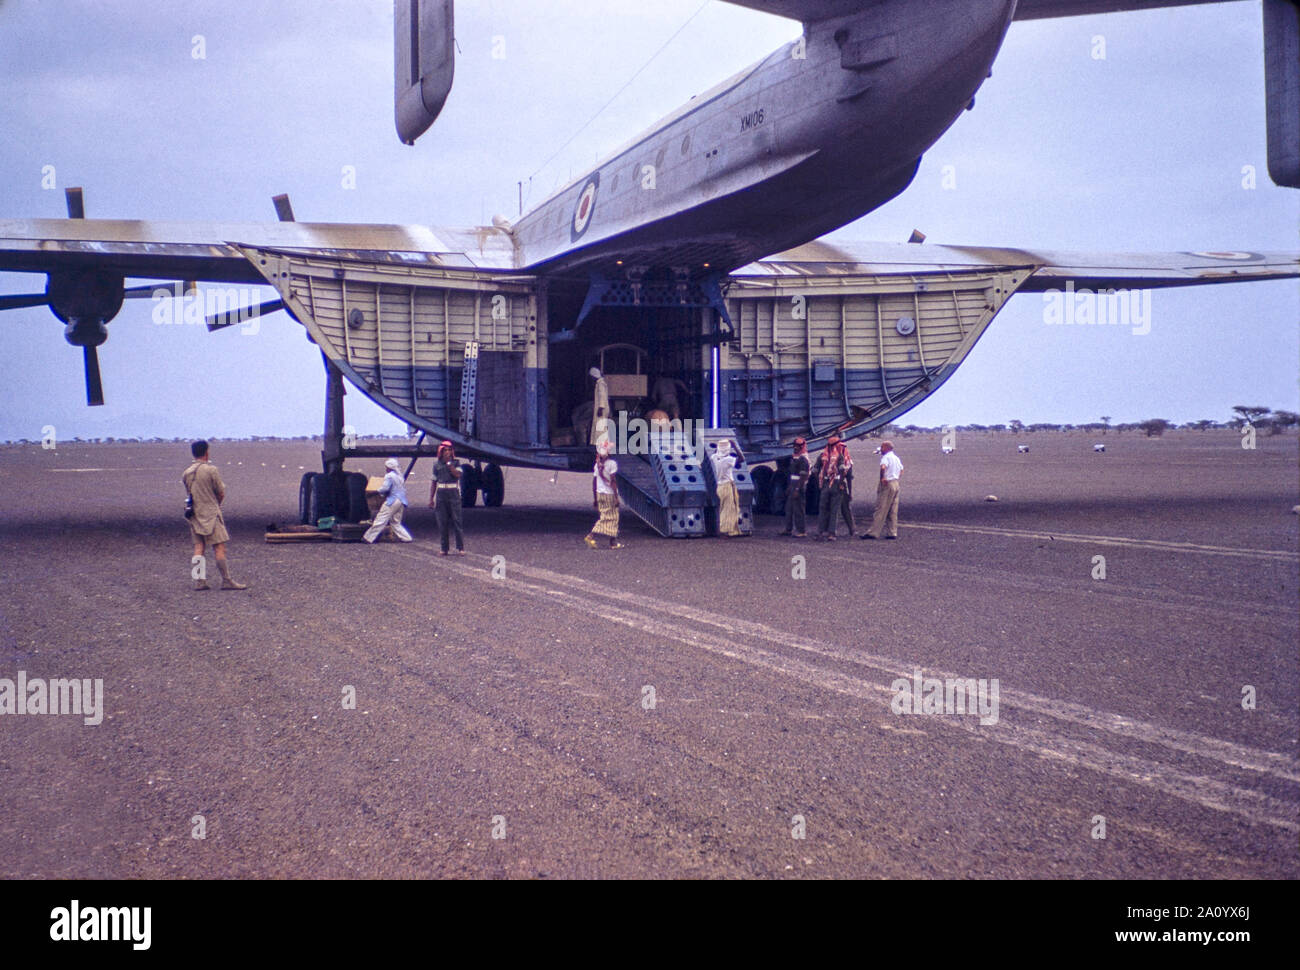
(585,208)
(1241,257)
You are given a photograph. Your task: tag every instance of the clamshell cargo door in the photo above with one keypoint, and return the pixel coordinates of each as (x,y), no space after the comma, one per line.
(848,353)
(399,331)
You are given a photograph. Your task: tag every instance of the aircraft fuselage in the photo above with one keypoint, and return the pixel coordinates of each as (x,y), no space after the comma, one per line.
(817,134)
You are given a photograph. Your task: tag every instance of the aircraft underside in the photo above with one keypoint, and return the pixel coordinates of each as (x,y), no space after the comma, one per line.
(798,356)
(500,365)
(825,338)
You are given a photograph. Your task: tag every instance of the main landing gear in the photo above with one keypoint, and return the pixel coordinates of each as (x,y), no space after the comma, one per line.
(772,486)
(339,494)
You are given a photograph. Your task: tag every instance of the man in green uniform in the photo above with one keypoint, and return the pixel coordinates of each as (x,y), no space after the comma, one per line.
(446,498)
(833,480)
(207,525)
(796,495)
(846,503)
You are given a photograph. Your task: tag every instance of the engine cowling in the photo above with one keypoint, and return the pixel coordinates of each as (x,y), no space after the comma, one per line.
(425,63)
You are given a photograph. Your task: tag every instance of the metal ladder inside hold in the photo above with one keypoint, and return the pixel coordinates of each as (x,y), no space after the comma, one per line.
(750,388)
(469,389)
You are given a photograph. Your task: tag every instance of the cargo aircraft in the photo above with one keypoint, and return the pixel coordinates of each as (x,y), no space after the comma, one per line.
(685,266)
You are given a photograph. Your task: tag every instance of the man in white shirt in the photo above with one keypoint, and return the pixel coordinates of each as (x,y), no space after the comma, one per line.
(891,470)
(724,473)
(390,515)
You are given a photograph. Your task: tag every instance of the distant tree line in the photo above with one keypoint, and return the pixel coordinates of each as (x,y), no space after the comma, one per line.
(1261,418)
(163,441)
(1274,421)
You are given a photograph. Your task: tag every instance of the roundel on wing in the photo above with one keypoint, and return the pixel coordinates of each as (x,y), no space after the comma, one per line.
(1243,257)
(585,207)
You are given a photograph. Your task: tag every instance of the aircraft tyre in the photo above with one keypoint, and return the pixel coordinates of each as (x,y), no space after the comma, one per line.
(469,486)
(320,498)
(304,493)
(780,487)
(762,476)
(358,510)
(493,484)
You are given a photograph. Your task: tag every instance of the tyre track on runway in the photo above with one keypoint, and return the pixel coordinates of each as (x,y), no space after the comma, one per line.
(1232,753)
(474,770)
(666,833)
(1145,596)
(1158,545)
(1210,792)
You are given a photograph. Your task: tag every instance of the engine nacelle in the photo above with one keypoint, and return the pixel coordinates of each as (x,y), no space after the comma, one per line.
(85,295)
(1282,80)
(425,63)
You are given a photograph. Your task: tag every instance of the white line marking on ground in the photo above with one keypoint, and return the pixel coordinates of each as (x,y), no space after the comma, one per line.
(1156,545)
(1221,795)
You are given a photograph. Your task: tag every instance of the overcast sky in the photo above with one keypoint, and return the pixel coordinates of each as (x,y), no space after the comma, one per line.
(1143,150)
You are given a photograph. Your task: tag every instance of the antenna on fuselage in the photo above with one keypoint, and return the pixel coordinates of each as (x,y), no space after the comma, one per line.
(605,106)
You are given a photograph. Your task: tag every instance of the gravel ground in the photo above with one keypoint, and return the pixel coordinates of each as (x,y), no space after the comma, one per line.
(673,709)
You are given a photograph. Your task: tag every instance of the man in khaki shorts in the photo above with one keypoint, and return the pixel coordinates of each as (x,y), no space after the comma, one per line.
(207,525)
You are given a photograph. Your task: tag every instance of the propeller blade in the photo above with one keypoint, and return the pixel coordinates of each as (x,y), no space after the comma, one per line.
(94,384)
(76,205)
(23,300)
(146,291)
(233,318)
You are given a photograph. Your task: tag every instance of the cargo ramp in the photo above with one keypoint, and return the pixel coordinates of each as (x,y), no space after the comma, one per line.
(670,491)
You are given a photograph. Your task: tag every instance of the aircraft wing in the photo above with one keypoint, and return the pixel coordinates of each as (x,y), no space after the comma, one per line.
(87,262)
(1047,9)
(811,11)
(1048,269)
(211,251)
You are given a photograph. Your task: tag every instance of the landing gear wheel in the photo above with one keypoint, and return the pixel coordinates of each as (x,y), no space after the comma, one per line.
(780,487)
(469,486)
(304,494)
(320,498)
(762,476)
(355,508)
(493,484)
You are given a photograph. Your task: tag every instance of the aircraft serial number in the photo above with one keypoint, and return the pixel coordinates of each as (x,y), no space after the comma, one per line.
(751,120)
